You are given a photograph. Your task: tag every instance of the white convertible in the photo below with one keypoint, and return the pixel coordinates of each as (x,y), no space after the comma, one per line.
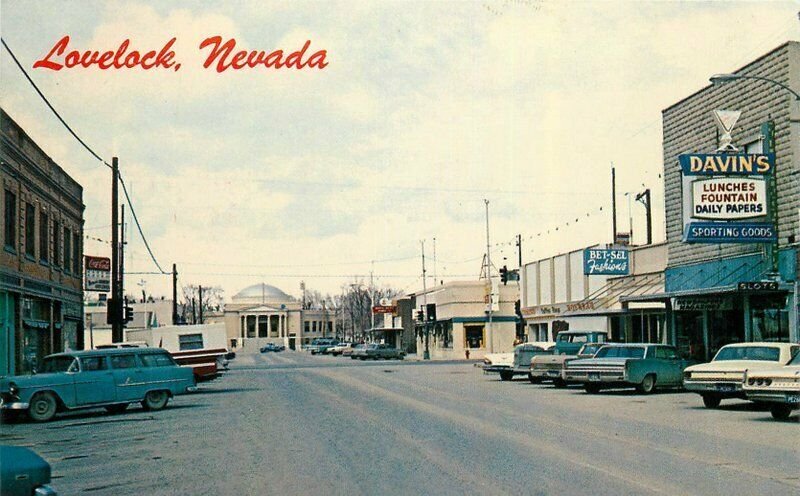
(780,387)
(722,377)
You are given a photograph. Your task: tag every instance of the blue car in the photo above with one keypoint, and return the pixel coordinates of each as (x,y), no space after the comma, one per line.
(112,378)
(23,472)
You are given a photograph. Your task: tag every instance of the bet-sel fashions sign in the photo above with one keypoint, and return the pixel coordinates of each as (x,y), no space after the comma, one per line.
(98,274)
(726,188)
(598,261)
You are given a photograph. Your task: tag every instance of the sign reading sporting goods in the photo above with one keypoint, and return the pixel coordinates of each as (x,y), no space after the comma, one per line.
(729,232)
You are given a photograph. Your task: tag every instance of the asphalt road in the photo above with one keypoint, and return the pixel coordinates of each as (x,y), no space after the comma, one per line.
(291,423)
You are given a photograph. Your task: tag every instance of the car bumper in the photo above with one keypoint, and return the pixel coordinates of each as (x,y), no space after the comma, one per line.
(778,396)
(44,491)
(597,377)
(496,368)
(13,405)
(545,374)
(717,387)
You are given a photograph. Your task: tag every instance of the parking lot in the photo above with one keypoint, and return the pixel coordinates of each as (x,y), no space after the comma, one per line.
(290,423)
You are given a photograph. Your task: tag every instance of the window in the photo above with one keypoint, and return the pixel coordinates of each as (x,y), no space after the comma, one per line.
(473,336)
(157,360)
(56,244)
(44,238)
(11,220)
(190,342)
(664,353)
(620,352)
(123,361)
(306,327)
(92,364)
(761,353)
(58,364)
(67,250)
(76,254)
(30,230)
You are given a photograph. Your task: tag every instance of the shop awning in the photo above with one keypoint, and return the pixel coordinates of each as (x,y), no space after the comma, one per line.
(618,290)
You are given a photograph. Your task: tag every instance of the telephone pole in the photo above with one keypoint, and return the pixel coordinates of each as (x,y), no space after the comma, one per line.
(200,297)
(427,354)
(174,294)
(613,204)
(644,199)
(122,297)
(519,251)
(116,300)
(489,336)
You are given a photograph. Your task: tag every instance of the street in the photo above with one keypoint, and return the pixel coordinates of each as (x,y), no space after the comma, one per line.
(291,423)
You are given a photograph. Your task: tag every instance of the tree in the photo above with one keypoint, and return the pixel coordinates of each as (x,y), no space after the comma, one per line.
(213,300)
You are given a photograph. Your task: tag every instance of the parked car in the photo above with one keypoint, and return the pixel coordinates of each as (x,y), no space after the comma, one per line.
(570,342)
(270,347)
(722,377)
(339,348)
(319,345)
(644,366)
(352,350)
(778,386)
(23,472)
(497,362)
(522,356)
(382,352)
(112,378)
(551,367)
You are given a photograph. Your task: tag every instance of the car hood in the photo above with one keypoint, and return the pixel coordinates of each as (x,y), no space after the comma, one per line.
(597,362)
(786,372)
(36,380)
(499,359)
(732,366)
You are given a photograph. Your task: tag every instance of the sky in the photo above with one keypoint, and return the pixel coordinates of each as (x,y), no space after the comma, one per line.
(425,110)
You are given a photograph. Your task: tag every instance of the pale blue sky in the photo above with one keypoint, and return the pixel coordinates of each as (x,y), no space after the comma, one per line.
(425,109)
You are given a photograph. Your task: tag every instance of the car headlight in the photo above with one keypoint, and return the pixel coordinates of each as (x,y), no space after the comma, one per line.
(13,389)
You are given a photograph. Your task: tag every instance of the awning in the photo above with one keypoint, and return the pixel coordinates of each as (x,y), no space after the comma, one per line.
(617,290)
(719,290)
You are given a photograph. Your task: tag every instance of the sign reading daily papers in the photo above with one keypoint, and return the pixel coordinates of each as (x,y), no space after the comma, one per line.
(728,188)
(98,274)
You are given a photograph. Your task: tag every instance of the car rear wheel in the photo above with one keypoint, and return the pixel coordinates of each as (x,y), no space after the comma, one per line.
(648,384)
(711,400)
(155,400)
(43,407)
(117,408)
(781,412)
(534,380)
(592,388)
(506,376)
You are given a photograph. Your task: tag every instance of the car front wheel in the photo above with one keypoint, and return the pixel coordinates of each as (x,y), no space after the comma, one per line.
(781,412)
(534,380)
(592,388)
(43,407)
(155,400)
(648,384)
(506,376)
(711,400)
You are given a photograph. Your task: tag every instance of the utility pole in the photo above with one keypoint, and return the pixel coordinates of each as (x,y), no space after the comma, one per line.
(371,297)
(644,199)
(519,251)
(174,294)
(122,295)
(427,354)
(489,281)
(116,321)
(613,204)
(200,297)
(435,279)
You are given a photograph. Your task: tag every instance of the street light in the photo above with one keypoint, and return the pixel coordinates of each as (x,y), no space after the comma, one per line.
(726,78)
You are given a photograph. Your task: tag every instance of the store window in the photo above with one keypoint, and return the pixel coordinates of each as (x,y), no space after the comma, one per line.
(473,336)
(770,319)
(44,238)
(190,342)
(10,216)
(30,231)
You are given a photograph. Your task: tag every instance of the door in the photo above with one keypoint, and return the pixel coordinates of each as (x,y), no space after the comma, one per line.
(95,382)
(670,366)
(128,377)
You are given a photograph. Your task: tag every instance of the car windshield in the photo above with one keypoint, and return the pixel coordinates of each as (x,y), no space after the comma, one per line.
(57,364)
(620,352)
(795,360)
(760,353)
(590,349)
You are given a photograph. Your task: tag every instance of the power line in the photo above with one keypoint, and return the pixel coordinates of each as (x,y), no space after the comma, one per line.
(89,149)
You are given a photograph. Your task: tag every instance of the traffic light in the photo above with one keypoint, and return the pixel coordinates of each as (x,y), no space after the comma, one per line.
(113,311)
(128,315)
(504,275)
(420,316)
(431,310)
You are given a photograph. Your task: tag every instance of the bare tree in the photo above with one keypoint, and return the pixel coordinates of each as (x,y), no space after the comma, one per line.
(213,299)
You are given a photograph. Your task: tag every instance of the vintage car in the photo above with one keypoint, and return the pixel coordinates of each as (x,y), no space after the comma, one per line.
(272,347)
(553,367)
(359,351)
(338,349)
(112,378)
(644,366)
(381,352)
(721,378)
(319,345)
(517,363)
(569,342)
(778,386)
(23,472)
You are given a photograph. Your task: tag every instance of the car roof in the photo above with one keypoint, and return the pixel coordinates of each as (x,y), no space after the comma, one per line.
(583,332)
(107,351)
(760,343)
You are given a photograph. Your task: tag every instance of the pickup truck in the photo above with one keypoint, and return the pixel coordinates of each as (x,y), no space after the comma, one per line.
(553,367)
(570,342)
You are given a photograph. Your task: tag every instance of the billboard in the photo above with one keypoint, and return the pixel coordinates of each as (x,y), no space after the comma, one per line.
(98,274)
(607,262)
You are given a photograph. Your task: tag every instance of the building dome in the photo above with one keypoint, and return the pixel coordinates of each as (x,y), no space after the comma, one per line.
(263,292)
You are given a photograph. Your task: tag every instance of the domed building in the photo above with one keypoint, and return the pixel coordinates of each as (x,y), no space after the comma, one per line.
(261,313)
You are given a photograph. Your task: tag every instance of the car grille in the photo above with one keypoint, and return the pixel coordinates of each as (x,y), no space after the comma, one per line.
(546,366)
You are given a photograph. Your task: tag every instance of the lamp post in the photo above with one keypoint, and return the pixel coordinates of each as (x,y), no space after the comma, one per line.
(725,78)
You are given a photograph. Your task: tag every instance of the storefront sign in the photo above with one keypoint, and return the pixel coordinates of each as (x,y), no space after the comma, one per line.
(730,232)
(98,274)
(758,286)
(703,303)
(598,261)
(384,309)
(727,164)
(729,198)
(583,305)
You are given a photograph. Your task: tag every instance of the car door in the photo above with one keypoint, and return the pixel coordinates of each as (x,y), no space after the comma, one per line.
(95,381)
(128,377)
(676,365)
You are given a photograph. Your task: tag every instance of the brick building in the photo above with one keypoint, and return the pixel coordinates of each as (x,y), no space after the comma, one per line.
(41,261)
